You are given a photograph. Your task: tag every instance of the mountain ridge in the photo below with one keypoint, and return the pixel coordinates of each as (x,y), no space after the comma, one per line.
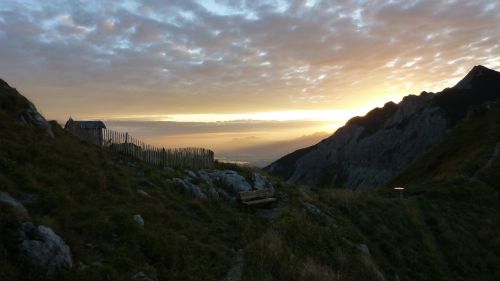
(369,150)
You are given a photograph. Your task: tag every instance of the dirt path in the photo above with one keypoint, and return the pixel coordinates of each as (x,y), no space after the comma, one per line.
(234,274)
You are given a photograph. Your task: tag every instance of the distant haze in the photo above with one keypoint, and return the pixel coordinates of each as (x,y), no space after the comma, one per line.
(257,143)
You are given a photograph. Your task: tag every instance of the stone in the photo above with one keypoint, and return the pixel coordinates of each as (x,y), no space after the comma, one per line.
(212,194)
(40,247)
(202,174)
(31,116)
(224,195)
(363,248)
(191,173)
(312,209)
(259,181)
(138,219)
(231,180)
(143,193)
(7,199)
(190,188)
(141,276)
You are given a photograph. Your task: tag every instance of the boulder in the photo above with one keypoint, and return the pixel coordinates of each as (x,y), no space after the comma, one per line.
(7,199)
(190,188)
(231,180)
(138,219)
(191,173)
(223,194)
(212,194)
(202,174)
(40,247)
(259,181)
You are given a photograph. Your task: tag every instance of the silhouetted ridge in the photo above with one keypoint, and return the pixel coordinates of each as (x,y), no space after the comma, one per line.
(478,75)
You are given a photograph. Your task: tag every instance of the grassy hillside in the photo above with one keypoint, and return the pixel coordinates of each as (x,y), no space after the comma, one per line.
(446,229)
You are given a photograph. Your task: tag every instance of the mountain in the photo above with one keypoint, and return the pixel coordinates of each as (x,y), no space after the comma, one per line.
(369,150)
(468,158)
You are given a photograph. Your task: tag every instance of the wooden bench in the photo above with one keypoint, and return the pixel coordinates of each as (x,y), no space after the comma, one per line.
(256,197)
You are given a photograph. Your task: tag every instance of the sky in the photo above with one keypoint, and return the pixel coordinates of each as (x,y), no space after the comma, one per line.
(306,65)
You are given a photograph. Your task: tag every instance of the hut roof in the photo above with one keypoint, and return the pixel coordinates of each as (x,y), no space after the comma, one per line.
(88,124)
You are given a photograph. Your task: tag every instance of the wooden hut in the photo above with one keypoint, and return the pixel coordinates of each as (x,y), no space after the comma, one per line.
(90,131)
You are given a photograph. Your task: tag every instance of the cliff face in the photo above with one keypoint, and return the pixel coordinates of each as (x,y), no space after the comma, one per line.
(16,105)
(369,150)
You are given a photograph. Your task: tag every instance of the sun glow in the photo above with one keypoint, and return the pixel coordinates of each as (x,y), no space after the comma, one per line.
(333,115)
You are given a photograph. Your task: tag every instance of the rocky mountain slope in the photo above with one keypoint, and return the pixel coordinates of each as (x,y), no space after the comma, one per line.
(369,150)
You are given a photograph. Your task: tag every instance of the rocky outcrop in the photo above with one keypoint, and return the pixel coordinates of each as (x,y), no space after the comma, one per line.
(31,116)
(7,199)
(231,180)
(215,185)
(369,150)
(22,109)
(41,248)
(190,188)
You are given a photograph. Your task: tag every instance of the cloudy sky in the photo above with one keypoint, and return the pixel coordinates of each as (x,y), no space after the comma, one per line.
(221,60)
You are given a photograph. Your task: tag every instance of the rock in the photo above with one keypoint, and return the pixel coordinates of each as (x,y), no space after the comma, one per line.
(363,248)
(40,247)
(259,181)
(31,116)
(191,173)
(7,199)
(231,180)
(190,188)
(212,194)
(141,276)
(143,193)
(138,219)
(311,208)
(202,174)
(223,194)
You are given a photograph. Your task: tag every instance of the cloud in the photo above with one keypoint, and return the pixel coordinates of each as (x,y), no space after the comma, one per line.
(137,57)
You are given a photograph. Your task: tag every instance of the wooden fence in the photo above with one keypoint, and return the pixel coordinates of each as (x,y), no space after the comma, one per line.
(190,157)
